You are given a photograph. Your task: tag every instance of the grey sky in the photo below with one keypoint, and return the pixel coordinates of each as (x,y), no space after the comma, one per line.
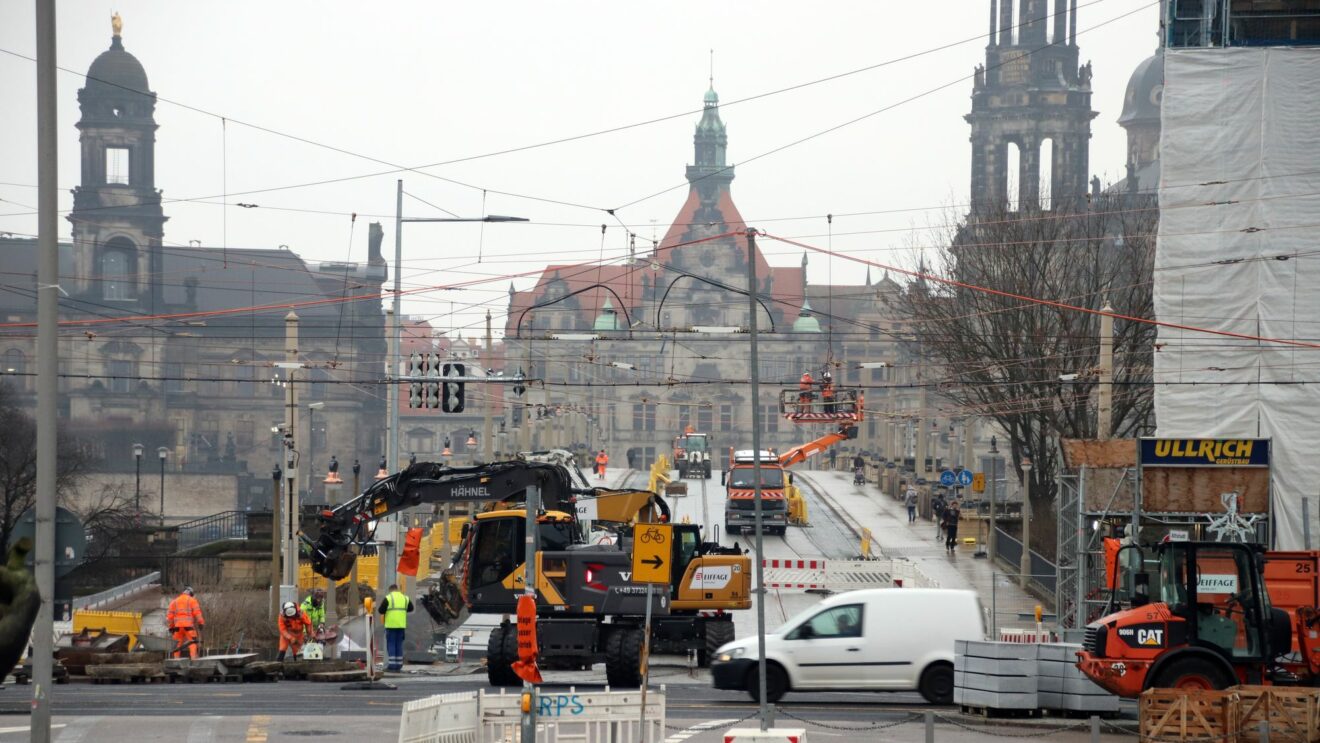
(422,82)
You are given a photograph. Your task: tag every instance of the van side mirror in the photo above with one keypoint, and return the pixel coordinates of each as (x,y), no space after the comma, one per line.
(1140,589)
(805,632)
(722,476)
(790,478)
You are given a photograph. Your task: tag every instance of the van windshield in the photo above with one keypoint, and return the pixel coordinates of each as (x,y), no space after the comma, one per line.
(745,478)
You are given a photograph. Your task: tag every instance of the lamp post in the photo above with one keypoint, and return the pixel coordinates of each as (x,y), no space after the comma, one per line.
(138,449)
(164,454)
(994,492)
(1024,565)
(312,407)
(396,331)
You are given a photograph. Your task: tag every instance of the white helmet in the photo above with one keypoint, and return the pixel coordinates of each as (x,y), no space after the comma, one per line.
(290,609)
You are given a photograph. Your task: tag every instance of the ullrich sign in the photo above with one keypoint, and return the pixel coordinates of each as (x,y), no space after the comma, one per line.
(1204,453)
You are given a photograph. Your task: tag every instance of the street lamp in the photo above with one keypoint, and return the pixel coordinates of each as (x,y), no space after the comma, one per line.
(1024,565)
(138,449)
(164,454)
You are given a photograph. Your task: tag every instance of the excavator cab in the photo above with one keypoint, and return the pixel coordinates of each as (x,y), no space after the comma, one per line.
(495,550)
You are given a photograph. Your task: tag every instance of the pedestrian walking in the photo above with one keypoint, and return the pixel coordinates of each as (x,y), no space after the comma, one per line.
(602,459)
(294,627)
(395,609)
(938,506)
(952,515)
(910,500)
(834,455)
(858,462)
(184,620)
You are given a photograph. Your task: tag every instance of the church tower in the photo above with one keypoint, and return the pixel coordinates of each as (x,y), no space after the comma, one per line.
(1031,111)
(709,175)
(117,218)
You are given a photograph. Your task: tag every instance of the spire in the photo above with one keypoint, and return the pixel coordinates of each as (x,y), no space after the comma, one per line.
(709,171)
(868,275)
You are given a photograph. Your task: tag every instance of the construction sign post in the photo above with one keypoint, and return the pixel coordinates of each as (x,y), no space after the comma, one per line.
(651,549)
(525,666)
(978,482)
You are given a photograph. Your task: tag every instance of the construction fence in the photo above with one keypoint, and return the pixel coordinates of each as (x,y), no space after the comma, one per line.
(587,716)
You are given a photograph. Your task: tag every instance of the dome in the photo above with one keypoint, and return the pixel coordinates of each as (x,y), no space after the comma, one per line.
(1145,92)
(712,97)
(805,323)
(116,69)
(608,319)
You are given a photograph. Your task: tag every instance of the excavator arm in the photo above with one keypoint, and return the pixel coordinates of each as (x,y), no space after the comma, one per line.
(346,527)
(800,453)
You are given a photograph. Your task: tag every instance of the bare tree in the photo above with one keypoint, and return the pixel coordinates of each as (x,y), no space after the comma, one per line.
(18,462)
(107,517)
(1014,361)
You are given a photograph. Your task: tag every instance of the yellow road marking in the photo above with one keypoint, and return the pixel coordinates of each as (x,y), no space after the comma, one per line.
(256,732)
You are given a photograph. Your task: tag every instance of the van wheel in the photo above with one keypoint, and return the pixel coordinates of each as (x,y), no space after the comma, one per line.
(776,683)
(501,650)
(937,683)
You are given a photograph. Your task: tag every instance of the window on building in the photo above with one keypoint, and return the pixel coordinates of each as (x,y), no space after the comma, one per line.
(116,277)
(769,419)
(705,415)
(684,417)
(116,165)
(121,373)
(643,416)
(173,373)
(726,417)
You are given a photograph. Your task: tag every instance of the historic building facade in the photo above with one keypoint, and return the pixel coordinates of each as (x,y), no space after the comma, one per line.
(180,347)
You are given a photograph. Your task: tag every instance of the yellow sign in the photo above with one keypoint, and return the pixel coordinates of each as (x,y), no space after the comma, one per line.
(651,561)
(978,482)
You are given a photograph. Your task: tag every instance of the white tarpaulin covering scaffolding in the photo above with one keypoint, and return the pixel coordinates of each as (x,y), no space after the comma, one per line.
(1239,251)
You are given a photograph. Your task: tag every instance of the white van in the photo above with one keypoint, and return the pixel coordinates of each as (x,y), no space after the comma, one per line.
(881,639)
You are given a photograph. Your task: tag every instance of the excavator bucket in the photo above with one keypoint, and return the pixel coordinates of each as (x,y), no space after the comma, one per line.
(335,563)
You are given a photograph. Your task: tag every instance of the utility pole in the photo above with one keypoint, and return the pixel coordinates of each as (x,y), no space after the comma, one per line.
(276,541)
(48,298)
(487,444)
(392,442)
(1105,380)
(767,712)
(532,504)
(290,436)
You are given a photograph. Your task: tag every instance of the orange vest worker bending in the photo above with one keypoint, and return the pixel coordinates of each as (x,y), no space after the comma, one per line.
(294,626)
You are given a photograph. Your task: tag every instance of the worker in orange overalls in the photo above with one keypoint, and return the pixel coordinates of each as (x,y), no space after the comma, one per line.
(602,459)
(827,391)
(294,626)
(804,393)
(185,622)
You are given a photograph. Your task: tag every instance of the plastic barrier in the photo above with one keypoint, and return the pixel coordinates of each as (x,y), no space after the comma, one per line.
(111,622)
(589,716)
(800,574)
(844,575)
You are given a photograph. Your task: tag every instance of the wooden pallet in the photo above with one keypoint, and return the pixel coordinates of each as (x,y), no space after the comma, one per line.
(122,673)
(1176,714)
(1293,714)
(999,712)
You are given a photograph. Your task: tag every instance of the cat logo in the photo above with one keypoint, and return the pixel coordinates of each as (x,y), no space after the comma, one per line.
(1151,638)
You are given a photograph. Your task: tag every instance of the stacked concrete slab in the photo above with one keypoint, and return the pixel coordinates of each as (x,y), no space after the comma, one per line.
(995,675)
(1062,686)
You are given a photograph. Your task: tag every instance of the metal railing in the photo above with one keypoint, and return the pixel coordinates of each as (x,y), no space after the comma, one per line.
(1043,572)
(218,527)
(118,593)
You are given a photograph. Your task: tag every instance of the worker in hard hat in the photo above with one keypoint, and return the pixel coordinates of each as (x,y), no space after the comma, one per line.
(602,459)
(804,392)
(294,627)
(827,391)
(184,620)
(314,607)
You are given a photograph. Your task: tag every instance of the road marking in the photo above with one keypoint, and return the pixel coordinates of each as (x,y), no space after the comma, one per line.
(700,727)
(27,729)
(203,730)
(256,732)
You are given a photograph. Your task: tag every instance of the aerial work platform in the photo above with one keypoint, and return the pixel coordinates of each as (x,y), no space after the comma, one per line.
(810,406)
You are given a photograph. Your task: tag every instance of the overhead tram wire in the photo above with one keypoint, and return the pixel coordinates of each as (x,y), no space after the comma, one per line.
(421,169)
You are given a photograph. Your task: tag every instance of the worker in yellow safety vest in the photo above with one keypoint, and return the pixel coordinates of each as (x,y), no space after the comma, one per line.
(395,609)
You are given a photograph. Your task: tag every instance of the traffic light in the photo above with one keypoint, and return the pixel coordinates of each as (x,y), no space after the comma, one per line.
(415,392)
(518,387)
(451,394)
(432,387)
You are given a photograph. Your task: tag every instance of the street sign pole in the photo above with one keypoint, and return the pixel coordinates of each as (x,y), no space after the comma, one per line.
(646,666)
(651,564)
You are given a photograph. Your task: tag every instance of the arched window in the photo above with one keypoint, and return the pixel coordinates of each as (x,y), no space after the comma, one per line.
(116,270)
(1013,179)
(14,368)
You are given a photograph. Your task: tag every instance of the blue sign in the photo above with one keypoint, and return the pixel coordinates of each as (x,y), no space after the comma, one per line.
(1204,453)
(947,478)
(965,478)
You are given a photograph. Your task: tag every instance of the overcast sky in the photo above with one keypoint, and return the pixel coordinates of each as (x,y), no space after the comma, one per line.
(412,83)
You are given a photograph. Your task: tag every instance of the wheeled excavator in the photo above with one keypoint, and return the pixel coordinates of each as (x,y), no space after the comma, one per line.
(588,608)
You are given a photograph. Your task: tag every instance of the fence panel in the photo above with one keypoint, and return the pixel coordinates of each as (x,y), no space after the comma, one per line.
(444,718)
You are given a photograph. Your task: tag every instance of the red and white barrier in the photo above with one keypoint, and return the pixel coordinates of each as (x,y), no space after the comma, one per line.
(843,575)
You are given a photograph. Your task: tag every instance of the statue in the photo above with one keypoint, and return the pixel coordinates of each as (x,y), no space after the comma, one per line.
(979,77)
(231,451)
(117,24)
(1084,75)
